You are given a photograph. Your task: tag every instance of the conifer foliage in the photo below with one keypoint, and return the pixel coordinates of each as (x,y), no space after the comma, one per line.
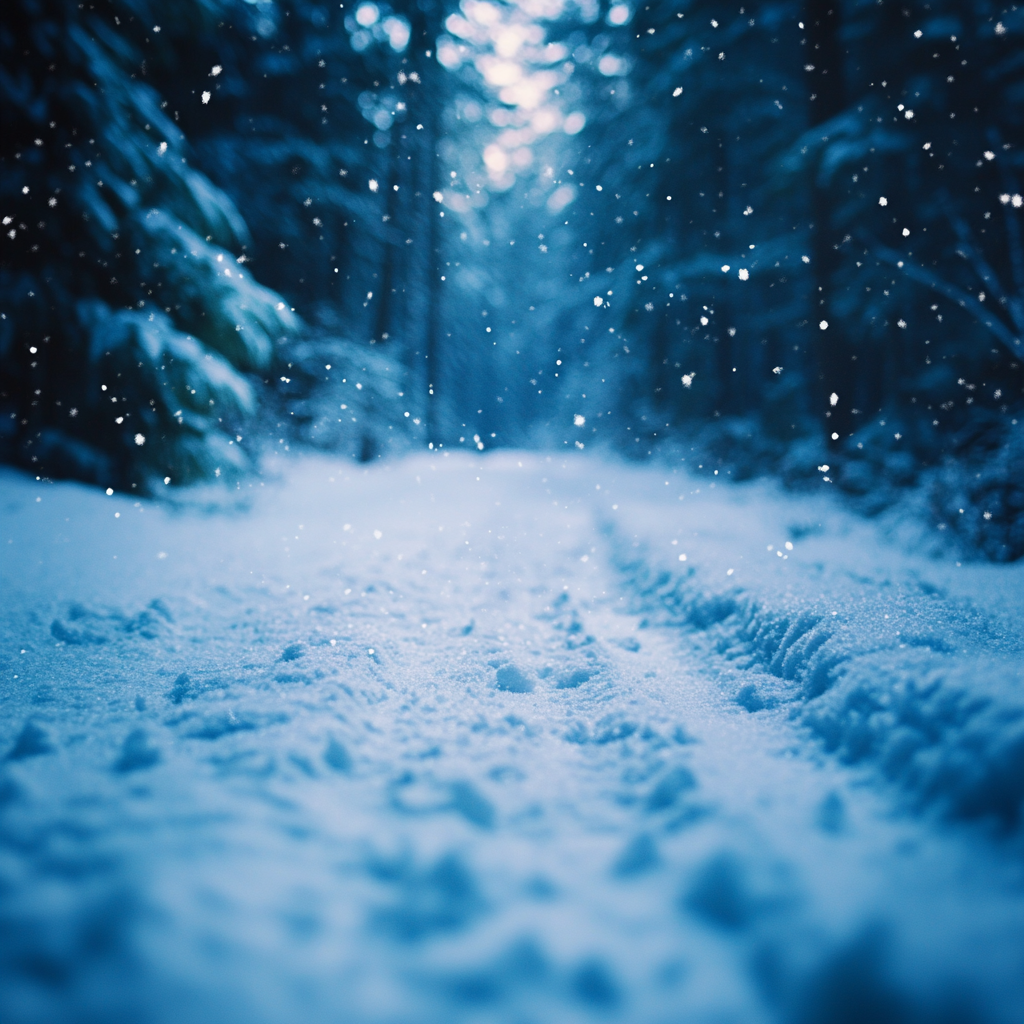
(130,323)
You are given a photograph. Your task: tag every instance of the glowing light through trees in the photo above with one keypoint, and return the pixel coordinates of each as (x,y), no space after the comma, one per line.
(506,44)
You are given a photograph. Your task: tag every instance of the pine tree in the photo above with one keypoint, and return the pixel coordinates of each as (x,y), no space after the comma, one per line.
(129,322)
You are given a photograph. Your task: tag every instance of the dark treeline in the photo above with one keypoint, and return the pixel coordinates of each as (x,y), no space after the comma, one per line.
(205,208)
(787,237)
(838,277)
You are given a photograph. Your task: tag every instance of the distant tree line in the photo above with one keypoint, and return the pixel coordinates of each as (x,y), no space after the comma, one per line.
(270,221)
(825,199)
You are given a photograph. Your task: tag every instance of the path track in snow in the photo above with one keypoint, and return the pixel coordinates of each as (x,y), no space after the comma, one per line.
(462,739)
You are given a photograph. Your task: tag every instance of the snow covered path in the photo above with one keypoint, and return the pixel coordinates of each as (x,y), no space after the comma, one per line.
(468,739)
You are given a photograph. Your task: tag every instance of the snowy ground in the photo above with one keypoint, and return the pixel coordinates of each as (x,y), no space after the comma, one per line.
(468,739)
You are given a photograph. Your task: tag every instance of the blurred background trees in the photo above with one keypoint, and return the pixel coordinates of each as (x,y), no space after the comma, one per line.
(763,237)
(839,264)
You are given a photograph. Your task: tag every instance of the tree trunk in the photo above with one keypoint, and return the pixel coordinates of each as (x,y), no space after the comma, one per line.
(827,98)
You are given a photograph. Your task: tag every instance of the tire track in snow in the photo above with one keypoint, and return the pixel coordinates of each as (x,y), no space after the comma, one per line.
(918,684)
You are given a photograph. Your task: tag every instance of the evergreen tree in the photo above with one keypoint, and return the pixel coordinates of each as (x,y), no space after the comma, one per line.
(129,324)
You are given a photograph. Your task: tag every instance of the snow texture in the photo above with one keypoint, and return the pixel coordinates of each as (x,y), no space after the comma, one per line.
(468,739)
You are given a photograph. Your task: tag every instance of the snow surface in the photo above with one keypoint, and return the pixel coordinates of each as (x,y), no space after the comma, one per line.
(464,739)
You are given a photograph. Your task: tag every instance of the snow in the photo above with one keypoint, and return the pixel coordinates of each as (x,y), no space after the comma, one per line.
(502,737)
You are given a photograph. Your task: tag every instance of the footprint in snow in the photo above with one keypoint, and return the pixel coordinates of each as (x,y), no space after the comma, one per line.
(31,742)
(136,753)
(513,679)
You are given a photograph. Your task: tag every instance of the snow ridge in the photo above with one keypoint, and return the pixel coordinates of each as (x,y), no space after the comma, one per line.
(936,707)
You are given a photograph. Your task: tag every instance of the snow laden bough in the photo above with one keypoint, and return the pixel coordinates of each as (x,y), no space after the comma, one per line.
(180,396)
(335,395)
(129,322)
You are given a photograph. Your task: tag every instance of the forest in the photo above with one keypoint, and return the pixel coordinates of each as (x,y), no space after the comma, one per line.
(511,512)
(778,239)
